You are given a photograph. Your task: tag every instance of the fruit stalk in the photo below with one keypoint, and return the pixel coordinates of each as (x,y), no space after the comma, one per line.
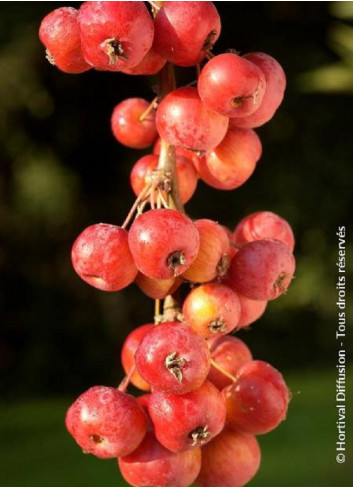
(167,158)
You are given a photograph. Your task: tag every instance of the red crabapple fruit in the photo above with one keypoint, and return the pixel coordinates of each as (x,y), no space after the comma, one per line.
(275,87)
(152,465)
(234,160)
(128,127)
(231,85)
(100,421)
(230,353)
(60,34)
(131,344)
(115,35)
(142,173)
(262,225)
(184,120)
(262,270)
(212,309)
(157,289)
(258,401)
(101,257)
(229,460)
(212,258)
(186,31)
(188,420)
(251,310)
(173,359)
(163,243)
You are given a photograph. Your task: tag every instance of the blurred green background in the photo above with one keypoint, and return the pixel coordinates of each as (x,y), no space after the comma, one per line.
(61,170)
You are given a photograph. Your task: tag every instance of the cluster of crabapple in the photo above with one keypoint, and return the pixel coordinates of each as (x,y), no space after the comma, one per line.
(207,398)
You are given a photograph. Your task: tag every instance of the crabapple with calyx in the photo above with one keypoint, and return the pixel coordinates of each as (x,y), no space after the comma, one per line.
(173,359)
(188,420)
(100,421)
(163,243)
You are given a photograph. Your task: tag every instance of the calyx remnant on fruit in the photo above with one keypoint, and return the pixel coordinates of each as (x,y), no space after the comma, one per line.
(279,285)
(175,364)
(217,326)
(114,50)
(199,435)
(223,265)
(175,260)
(96,439)
(209,41)
(49,57)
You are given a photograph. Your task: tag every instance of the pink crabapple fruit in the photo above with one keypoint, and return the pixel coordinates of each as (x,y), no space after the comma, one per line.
(275,87)
(186,31)
(230,460)
(100,421)
(115,35)
(152,465)
(184,120)
(127,126)
(60,34)
(258,401)
(101,257)
(212,310)
(212,259)
(163,243)
(231,85)
(233,161)
(188,420)
(262,225)
(262,270)
(173,359)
